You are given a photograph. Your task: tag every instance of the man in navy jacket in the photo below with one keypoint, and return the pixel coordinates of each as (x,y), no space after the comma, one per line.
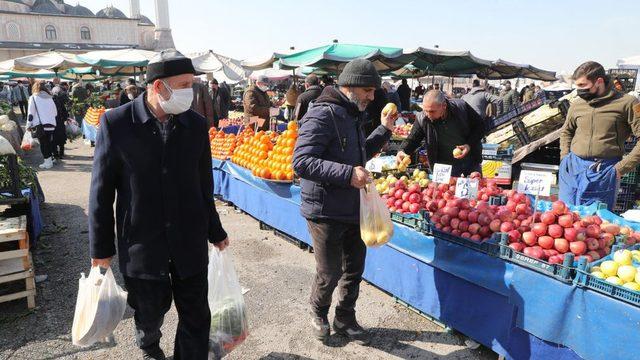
(153,158)
(330,155)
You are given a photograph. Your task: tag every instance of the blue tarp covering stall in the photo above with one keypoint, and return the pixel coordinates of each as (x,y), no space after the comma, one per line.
(516,312)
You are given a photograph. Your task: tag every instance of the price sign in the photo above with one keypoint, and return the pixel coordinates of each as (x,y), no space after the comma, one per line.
(441,173)
(535,182)
(467,188)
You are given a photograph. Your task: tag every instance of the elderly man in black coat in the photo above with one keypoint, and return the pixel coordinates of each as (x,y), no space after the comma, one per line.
(153,158)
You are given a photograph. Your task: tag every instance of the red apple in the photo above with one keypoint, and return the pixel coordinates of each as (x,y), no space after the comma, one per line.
(400,185)
(474,228)
(473,217)
(578,247)
(514,236)
(555,231)
(485,231)
(494,225)
(463,226)
(414,188)
(529,238)
(562,245)
(455,232)
(594,255)
(559,207)
(522,209)
(566,221)
(398,203)
(506,227)
(445,219)
(405,206)
(447,229)
(463,214)
(570,234)
(548,218)
(517,246)
(415,198)
(592,244)
(546,242)
(465,235)
(398,194)
(555,259)
(454,223)
(414,208)
(476,237)
(540,229)
(593,231)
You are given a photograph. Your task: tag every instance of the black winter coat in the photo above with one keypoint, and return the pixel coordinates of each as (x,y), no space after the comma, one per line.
(165,209)
(302,105)
(330,144)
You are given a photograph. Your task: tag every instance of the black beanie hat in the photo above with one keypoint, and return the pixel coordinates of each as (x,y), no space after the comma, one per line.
(168,63)
(359,73)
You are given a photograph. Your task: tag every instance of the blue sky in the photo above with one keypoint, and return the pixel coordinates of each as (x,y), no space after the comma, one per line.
(555,35)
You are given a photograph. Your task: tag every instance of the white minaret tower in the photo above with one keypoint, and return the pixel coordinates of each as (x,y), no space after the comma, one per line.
(163,38)
(135,9)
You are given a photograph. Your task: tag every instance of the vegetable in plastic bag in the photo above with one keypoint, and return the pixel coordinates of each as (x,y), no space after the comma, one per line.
(5,147)
(376,228)
(29,142)
(229,326)
(99,307)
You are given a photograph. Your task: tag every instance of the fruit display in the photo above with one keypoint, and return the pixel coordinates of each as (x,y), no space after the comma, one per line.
(420,177)
(621,269)
(223,145)
(235,119)
(92,117)
(401,131)
(268,155)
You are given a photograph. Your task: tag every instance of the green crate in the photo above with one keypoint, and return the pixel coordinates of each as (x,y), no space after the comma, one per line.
(630,178)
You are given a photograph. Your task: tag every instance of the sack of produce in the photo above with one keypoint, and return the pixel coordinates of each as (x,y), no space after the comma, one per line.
(29,142)
(376,227)
(229,326)
(99,308)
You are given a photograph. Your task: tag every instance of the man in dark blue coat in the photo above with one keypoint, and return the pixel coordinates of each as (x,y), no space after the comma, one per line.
(154,159)
(330,155)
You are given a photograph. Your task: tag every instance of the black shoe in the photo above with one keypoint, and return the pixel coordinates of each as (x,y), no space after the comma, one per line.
(154,353)
(320,327)
(353,331)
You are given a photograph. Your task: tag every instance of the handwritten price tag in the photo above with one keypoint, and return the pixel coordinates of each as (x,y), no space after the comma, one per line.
(467,188)
(441,173)
(535,182)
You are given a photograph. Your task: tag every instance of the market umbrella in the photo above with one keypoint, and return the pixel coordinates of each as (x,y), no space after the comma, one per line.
(272,74)
(409,71)
(502,69)
(111,58)
(50,60)
(222,67)
(443,62)
(632,62)
(334,57)
(262,63)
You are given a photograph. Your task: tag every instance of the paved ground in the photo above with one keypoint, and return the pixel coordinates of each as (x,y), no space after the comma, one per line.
(276,272)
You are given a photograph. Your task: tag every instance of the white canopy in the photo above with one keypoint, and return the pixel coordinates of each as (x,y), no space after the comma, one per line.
(222,67)
(50,60)
(632,62)
(273,74)
(124,57)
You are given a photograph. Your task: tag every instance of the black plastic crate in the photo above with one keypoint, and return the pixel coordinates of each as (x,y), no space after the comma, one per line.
(585,279)
(564,272)
(622,206)
(630,178)
(489,247)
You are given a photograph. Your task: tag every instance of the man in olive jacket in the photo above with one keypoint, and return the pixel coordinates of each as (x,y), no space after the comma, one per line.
(593,137)
(154,154)
(256,101)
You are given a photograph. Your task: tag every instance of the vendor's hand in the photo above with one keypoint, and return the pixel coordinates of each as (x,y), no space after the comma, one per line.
(400,156)
(465,150)
(618,175)
(360,177)
(222,244)
(103,263)
(389,120)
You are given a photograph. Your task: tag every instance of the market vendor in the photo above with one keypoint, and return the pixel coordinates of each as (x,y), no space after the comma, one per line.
(329,156)
(256,101)
(593,137)
(452,131)
(154,153)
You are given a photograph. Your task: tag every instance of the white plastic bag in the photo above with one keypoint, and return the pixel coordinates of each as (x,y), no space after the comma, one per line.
(99,308)
(5,147)
(376,227)
(229,326)
(28,141)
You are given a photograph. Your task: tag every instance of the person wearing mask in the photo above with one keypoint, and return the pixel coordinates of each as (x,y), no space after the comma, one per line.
(291,99)
(124,96)
(41,120)
(592,139)
(214,93)
(329,157)
(392,95)
(479,99)
(452,131)
(20,97)
(202,102)
(404,92)
(154,154)
(373,111)
(61,99)
(311,93)
(256,102)
(539,93)
(510,98)
(224,99)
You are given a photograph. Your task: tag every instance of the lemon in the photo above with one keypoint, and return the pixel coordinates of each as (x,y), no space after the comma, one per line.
(623,257)
(609,268)
(636,255)
(598,274)
(632,285)
(614,280)
(627,273)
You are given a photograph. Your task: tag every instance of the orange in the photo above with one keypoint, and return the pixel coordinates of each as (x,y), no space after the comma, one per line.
(289,151)
(282,175)
(289,175)
(292,125)
(264,147)
(291,142)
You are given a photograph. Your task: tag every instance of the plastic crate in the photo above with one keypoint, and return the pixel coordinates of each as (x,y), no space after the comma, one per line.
(564,272)
(489,247)
(586,280)
(413,221)
(494,152)
(630,144)
(630,178)
(622,206)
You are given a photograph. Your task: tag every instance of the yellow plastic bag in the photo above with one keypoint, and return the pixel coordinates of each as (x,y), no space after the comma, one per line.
(376,228)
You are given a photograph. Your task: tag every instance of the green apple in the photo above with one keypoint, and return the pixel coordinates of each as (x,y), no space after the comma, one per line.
(623,257)
(609,268)
(627,273)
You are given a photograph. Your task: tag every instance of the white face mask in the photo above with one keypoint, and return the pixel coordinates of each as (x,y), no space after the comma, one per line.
(179,101)
(130,96)
(263,87)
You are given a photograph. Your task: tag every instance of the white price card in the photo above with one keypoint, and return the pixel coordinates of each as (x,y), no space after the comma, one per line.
(467,188)
(535,182)
(441,173)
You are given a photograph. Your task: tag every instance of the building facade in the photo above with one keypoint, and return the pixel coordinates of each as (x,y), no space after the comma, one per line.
(34,26)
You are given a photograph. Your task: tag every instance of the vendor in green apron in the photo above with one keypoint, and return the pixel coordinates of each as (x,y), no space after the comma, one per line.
(592,139)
